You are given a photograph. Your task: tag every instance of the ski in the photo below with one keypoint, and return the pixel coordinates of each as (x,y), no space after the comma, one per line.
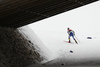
(67,42)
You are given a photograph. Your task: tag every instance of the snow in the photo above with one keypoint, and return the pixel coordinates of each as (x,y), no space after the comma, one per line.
(53,31)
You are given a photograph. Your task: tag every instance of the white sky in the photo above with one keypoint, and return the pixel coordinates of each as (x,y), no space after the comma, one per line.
(85,19)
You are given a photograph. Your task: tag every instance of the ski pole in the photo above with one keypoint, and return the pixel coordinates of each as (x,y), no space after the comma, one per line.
(77,39)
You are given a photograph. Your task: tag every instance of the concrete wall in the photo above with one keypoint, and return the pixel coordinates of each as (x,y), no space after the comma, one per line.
(15,50)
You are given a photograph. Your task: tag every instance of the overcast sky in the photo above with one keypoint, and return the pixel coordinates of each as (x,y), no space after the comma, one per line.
(85,19)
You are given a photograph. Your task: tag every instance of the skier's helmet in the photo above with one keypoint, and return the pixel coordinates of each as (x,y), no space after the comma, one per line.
(67,28)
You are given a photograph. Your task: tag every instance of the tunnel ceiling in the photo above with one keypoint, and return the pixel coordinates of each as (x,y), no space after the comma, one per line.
(17,13)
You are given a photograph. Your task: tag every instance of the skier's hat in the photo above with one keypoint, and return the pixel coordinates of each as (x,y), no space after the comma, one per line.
(67,28)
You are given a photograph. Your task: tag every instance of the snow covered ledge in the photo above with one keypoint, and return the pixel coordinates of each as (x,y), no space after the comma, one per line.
(36,42)
(18,49)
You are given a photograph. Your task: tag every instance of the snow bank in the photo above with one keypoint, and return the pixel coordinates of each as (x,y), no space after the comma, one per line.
(37,43)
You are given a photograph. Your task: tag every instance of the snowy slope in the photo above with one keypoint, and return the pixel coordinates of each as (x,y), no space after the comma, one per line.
(88,48)
(86,51)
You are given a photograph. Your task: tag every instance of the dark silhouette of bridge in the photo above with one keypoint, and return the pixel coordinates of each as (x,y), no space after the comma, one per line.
(17,13)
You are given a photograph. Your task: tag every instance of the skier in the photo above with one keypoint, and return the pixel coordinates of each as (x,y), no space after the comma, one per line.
(71,33)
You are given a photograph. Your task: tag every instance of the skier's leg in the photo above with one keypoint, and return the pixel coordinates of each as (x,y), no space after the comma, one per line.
(74,39)
(69,38)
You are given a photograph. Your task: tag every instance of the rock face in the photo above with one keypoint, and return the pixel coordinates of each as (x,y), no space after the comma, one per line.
(15,50)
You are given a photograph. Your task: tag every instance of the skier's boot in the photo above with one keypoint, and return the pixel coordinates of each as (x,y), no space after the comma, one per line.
(69,40)
(75,41)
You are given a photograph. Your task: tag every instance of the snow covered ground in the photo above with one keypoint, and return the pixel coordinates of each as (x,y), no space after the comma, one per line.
(85,21)
(86,50)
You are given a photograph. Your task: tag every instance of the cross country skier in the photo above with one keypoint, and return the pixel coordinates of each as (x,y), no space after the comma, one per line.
(71,33)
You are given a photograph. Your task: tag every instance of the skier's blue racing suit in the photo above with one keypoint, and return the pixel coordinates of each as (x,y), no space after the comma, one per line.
(71,33)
